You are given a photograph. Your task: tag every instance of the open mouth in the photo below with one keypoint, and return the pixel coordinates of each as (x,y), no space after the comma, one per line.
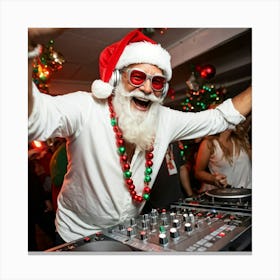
(141,104)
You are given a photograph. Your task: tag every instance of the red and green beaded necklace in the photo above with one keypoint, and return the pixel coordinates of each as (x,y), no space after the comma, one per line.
(124,160)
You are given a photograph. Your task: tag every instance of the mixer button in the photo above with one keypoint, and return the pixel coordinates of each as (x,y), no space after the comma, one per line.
(201,241)
(201,249)
(99,236)
(86,239)
(208,244)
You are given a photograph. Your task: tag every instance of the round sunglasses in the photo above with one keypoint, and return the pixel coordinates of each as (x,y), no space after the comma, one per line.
(137,78)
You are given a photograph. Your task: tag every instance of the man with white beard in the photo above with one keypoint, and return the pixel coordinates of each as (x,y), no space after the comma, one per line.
(117,135)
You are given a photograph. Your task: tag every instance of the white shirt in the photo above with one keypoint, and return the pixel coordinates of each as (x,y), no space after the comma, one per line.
(238,172)
(94,195)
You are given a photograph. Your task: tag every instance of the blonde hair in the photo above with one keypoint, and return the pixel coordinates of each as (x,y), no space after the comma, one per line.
(240,137)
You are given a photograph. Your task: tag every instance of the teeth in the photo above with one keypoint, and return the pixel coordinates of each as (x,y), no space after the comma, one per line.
(142,99)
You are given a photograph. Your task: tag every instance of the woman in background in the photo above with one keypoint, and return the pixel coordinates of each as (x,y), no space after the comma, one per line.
(224,160)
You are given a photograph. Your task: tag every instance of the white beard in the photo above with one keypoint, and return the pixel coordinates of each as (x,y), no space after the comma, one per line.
(138,127)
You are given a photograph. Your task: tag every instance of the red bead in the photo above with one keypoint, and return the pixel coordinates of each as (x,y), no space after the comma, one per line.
(116,128)
(139,198)
(112,115)
(126,166)
(133,193)
(147,190)
(118,135)
(149,163)
(134,197)
(120,142)
(149,155)
(131,187)
(129,181)
(123,158)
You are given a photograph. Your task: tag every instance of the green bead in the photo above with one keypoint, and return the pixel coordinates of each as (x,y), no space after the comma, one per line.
(148,171)
(146,196)
(113,121)
(147,178)
(121,150)
(127,174)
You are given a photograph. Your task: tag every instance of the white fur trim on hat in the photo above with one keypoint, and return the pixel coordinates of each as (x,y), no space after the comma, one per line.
(101,90)
(145,52)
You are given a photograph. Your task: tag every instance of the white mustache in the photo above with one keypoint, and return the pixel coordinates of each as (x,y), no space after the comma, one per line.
(139,94)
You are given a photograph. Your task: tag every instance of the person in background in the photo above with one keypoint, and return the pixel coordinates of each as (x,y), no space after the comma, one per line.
(40,210)
(224,160)
(172,182)
(117,134)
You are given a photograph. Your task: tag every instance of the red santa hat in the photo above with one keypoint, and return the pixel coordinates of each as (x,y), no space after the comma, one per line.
(134,48)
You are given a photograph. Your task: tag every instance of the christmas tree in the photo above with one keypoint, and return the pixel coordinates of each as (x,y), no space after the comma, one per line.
(201,94)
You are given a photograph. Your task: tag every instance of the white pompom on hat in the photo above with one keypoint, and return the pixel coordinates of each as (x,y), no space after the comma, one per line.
(134,48)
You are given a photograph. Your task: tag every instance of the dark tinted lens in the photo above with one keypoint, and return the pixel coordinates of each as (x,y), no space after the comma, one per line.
(158,82)
(137,77)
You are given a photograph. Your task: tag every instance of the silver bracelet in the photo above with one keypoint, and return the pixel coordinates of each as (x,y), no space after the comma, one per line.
(35,52)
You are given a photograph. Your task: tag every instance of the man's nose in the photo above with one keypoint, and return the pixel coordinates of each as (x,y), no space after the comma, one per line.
(147,87)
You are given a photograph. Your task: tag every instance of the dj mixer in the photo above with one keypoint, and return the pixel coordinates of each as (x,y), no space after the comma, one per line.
(190,226)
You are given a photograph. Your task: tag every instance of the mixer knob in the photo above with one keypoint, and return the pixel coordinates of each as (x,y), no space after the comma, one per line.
(163,239)
(146,217)
(143,235)
(164,222)
(130,231)
(174,233)
(163,215)
(188,227)
(185,217)
(154,212)
(176,223)
(153,220)
(172,216)
(191,216)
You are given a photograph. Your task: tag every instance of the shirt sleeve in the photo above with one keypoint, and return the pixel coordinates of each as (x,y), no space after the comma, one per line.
(57,116)
(178,125)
